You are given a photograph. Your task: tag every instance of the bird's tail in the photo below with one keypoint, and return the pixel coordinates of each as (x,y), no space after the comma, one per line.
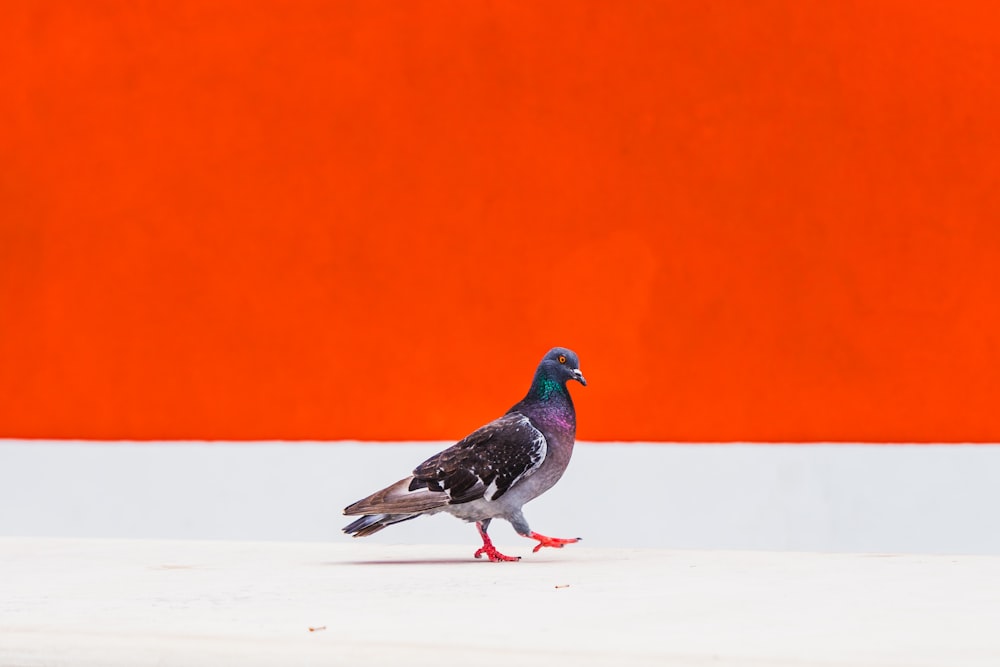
(372,523)
(391,505)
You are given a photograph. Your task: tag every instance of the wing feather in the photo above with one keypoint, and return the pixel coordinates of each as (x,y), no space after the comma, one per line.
(486,463)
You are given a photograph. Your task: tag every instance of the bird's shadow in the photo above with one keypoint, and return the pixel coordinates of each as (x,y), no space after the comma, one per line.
(416,561)
(429,562)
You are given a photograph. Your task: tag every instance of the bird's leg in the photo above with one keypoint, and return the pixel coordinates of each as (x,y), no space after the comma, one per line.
(521,526)
(488,548)
(544,541)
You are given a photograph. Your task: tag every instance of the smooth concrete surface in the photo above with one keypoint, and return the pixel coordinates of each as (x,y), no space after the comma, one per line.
(108,603)
(829,498)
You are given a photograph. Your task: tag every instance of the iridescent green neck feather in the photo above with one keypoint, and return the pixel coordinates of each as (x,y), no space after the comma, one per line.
(545,387)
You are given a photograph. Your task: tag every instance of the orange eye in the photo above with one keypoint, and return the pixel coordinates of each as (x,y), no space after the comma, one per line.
(562,358)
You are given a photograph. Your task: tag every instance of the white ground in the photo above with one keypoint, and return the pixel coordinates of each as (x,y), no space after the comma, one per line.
(141,602)
(205,597)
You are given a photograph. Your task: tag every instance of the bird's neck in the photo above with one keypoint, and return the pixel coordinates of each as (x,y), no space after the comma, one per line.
(545,389)
(549,401)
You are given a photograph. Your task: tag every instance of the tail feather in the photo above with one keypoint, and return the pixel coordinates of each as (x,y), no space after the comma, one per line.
(372,523)
(392,504)
(398,499)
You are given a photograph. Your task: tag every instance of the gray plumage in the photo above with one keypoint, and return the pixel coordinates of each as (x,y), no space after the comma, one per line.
(494,471)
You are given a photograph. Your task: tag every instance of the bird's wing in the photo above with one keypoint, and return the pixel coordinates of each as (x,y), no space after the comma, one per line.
(486,463)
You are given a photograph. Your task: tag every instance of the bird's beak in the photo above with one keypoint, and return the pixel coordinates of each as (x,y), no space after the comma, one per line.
(578,376)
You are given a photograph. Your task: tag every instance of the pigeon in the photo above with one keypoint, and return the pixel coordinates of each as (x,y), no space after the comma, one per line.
(493,471)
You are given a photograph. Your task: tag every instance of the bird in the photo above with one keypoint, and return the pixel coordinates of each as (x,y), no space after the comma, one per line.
(492,472)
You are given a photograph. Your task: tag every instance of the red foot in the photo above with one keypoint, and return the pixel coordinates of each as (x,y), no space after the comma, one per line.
(490,550)
(494,555)
(557,542)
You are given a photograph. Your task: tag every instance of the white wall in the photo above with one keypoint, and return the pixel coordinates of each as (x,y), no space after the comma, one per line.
(861,498)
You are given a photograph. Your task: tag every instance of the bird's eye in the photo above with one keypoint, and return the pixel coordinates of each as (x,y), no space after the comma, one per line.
(562,358)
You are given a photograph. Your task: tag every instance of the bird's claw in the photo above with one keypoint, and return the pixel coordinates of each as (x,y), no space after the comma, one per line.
(495,555)
(488,548)
(555,542)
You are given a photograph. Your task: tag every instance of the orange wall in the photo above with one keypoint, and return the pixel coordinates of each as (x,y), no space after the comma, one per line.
(753,221)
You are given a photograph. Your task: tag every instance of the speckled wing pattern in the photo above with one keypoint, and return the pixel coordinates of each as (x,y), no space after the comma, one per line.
(486,463)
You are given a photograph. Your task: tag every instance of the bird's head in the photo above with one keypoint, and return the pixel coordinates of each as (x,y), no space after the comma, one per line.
(562,365)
